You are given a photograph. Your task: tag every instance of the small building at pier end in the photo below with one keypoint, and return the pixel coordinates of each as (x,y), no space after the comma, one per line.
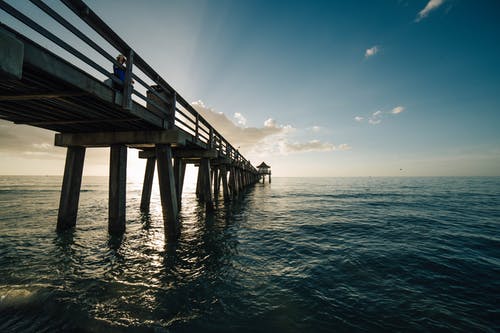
(264,170)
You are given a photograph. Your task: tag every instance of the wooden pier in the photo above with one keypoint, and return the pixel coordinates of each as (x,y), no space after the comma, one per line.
(42,89)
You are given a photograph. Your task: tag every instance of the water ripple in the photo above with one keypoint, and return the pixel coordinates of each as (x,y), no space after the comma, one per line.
(320,255)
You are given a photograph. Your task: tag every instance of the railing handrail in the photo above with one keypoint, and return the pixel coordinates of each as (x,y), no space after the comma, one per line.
(214,140)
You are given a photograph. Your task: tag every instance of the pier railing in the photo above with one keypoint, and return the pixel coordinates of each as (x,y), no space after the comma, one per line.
(142,83)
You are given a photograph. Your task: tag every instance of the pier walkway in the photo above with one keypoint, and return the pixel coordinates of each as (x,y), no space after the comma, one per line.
(88,106)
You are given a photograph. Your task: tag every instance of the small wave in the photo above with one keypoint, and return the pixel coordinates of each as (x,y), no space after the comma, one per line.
(12,296)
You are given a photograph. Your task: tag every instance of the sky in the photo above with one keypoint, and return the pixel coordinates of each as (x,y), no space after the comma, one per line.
(313,88)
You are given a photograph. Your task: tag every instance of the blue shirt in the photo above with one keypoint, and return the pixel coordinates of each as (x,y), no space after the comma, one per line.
(119,72)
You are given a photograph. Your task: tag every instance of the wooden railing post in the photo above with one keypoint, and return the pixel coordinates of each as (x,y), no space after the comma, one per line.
(127,84)
(197,126)
(171,111)
(211,137)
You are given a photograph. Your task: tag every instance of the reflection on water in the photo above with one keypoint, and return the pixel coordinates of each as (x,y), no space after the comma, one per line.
(300,255)
(136,280)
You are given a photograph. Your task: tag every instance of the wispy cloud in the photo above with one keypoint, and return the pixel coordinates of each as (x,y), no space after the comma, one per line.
(371,51)
(316,129)
(344,146)
(313,145)
(240,119)
(398,110)
(43,146)
(28,142)
(270,123)
(431,5)
(376,117)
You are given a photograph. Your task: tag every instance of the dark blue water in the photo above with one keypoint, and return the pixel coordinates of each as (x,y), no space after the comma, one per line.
(299,255)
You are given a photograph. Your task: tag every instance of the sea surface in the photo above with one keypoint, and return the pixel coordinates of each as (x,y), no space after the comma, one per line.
(297,255)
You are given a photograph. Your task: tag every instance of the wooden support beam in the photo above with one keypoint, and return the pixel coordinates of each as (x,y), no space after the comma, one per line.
(230,181)
(104,139)
(237,180)
(196,153)
(147,154)
(216,180)
(48,95)
(191,155)
(179,172)
(168,194)
(74,122)
(199,183)
(11,56)
(225,188)
(206,183)
(117,188)
(233,180)
(70,192)
(240,180)
(148,184)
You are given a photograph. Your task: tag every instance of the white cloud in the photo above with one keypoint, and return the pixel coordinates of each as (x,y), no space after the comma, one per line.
(247,138)
(272,138)
(316,129)
(43,146)
(270,123)
(398,110)
(313,145)
(28,142)
(431,5)
(344,146)
(240,119)
(371,51)
(376,117)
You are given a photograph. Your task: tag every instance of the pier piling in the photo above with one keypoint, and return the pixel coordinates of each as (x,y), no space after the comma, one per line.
(225,187)
(117,188)
(168,193)
(179,172)
(70,192)
(147,186)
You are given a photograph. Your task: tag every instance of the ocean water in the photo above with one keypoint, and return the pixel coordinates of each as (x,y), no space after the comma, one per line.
(297,255)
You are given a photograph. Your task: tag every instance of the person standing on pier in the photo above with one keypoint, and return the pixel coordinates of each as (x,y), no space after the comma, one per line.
(118,71)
